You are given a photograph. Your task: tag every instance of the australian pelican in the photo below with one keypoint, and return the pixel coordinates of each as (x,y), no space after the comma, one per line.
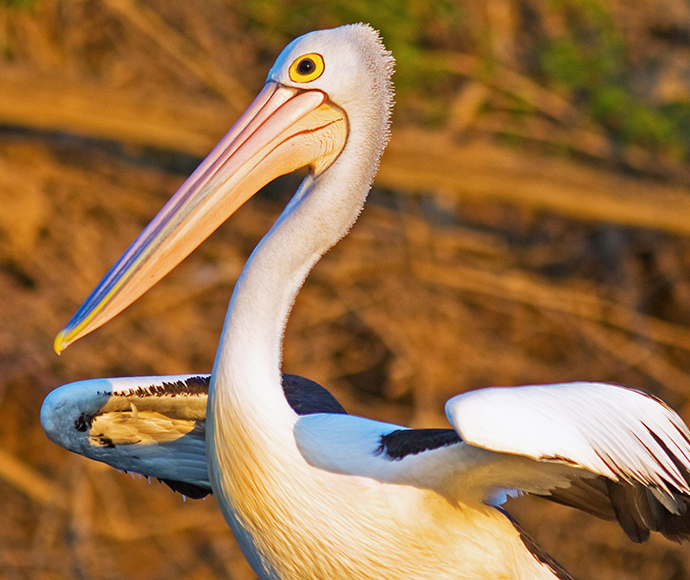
(309,491)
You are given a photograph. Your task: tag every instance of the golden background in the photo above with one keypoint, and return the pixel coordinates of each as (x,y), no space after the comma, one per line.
(530,224)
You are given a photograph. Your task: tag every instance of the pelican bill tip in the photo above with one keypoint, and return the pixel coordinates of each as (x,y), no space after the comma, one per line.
(61,342)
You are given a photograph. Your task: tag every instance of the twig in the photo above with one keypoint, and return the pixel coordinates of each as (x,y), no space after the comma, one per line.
(577,135)
(585,141)
(29,482)
(637,355)
(417,161)
(539,293)
(98,112)
(116,517)
(508,81)
(184,52)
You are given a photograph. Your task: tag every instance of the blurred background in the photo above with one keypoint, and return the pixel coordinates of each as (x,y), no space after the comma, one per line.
(530,224)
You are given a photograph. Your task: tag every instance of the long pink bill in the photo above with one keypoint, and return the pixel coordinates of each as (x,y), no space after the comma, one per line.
(282,130)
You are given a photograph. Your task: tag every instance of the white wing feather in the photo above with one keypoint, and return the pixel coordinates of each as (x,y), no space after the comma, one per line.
(611,431)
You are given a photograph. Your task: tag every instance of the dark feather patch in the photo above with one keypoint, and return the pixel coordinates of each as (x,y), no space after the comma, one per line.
(191,386)
(103,441)
(83,422)
(633,505)
(403,442)
(307,397)
(623,502)
(188,489)
(588,495)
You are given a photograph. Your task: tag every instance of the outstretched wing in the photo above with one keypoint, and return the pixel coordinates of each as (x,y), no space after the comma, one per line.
(629,452)
(611,451)
(155,426)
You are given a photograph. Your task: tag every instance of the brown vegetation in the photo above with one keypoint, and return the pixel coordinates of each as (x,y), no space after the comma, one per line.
(474,264)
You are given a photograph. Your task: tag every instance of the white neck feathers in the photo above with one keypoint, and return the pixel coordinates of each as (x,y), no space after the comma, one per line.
(325,207)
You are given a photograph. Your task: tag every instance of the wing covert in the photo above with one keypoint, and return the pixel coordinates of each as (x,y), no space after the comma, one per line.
(629,452)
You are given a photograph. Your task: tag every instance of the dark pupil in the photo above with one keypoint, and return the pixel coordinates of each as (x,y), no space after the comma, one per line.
(306,66)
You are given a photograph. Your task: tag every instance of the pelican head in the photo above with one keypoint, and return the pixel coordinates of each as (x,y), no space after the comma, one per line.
(328,92)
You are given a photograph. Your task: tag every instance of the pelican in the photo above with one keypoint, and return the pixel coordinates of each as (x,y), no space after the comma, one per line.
(309,491)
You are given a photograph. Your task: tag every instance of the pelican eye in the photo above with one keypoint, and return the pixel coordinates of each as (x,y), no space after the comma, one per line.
(307,68)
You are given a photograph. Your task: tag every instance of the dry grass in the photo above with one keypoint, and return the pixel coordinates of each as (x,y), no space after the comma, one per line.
(473,265)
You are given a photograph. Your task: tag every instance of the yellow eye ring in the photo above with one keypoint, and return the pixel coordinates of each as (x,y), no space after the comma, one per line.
(307,68)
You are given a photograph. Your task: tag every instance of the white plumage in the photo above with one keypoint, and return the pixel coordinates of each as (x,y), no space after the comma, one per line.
(309,491)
